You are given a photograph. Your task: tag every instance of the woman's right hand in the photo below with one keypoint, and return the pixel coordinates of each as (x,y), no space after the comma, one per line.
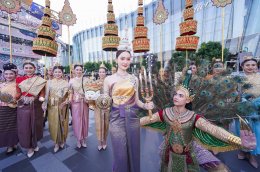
(44,106)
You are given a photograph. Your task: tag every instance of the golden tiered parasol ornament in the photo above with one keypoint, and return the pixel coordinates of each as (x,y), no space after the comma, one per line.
(187,40)
(141,43)
(11,7)
(110,40)
(45,44)
(222,4)
(68,18)
(159,18)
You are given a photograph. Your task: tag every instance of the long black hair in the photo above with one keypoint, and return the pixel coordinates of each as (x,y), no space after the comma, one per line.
(58,67)
(30,63)
(119,52)
(10,66)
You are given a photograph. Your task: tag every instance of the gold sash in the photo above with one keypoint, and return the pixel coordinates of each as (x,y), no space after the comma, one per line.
(32,85)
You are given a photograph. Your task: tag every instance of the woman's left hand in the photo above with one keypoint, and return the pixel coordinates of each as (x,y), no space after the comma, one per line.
(149,106)
(248,139)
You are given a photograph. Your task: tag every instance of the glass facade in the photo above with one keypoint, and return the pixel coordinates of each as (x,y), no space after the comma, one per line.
(241,28)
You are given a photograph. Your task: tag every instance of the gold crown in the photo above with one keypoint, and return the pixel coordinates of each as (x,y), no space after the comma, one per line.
(248,58)
(187,91)
(102,66)
(30,62)
(57,64)
(218,60)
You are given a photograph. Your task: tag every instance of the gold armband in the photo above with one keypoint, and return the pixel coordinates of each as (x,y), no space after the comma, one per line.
(234,140)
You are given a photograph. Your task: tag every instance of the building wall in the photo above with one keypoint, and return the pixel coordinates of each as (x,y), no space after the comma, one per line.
(242,28)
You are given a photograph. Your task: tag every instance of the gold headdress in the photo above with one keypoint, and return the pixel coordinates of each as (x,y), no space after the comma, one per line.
(185,86)
(248,58)
(57,64)
(102,66)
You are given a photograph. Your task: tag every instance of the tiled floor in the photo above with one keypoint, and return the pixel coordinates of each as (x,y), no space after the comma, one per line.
(91,160)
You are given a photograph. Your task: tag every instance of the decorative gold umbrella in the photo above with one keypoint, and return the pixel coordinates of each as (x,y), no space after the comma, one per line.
(68,18)
(222,4)
(11,7)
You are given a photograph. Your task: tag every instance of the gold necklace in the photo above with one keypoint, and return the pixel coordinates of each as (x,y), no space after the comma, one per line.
(121,76)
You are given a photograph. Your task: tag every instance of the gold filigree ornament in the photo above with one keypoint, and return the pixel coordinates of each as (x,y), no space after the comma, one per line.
(177,148)
(161,14)
(221,3)
(104,101)
(7,98)
(66,16)
(176,127)
(10,6)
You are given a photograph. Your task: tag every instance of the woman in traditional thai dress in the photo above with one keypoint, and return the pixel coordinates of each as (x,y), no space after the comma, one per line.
(124,124)
(181,126)
(79,107)
(30,95)
(249,66)
(101,116)
(8,121)
(56,104)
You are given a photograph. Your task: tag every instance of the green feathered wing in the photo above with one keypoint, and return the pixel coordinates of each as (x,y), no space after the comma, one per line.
(212,143)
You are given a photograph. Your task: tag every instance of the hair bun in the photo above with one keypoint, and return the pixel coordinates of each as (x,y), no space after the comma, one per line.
(10,66)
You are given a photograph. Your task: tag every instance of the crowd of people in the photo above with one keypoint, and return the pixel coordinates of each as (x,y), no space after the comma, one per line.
(26,101)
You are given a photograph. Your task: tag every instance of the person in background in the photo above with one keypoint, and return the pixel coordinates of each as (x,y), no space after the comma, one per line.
(79,107)
(101,116)
(249,66)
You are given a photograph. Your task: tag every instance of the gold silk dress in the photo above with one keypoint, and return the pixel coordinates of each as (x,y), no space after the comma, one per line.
(58,119)
(101,118)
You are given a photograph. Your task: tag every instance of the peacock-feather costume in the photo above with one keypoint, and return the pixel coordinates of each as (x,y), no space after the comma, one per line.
(211,99)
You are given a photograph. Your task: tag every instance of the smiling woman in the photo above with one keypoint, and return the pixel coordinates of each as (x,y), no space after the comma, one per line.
(8,117)
(124,124)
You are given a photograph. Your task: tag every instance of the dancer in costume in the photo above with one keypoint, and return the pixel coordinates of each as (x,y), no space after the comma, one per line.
(30,95)
(79,107)
(210,100)
(181,125)
(124,124)
(56,104)
(8,121)
(101,116)
(249,66)
(204,157)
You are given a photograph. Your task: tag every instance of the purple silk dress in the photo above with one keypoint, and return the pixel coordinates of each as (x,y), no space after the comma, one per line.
(124,127)
(80,110)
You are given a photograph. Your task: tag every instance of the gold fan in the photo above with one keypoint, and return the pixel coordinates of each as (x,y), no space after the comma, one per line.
(104,101)
(7,98)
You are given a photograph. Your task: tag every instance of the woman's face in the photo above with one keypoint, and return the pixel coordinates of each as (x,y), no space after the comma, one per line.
(57,73)
(180,98)
(102,73)
(50,71)
(193,69)
(249,67)
(123,61)
(9,75)
(78,71)
(29,69)
(218,68)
